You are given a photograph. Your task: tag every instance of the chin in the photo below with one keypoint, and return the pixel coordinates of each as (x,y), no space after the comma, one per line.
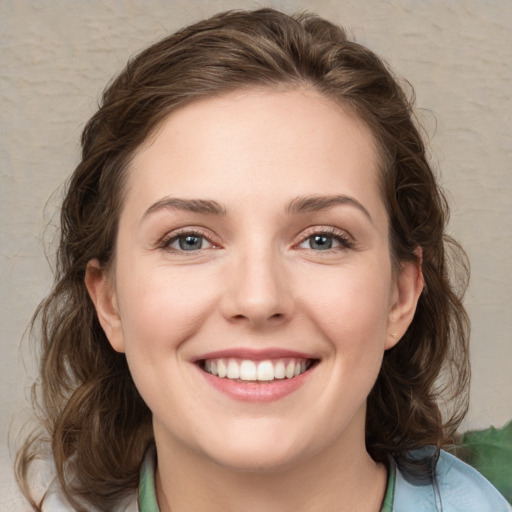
(250,461)
(258,454)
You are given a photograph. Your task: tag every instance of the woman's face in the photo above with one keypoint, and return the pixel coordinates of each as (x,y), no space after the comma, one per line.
(254,241)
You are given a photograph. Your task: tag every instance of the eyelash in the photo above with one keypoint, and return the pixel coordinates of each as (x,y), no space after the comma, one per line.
(345,242)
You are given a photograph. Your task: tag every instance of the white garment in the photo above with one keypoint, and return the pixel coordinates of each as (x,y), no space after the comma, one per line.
(13,500)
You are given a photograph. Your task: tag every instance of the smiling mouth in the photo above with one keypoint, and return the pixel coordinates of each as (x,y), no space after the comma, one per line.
(264,371)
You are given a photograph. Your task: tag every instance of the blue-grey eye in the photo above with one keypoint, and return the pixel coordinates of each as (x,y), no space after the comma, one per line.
(187,241)
(325,241)
(190,242)
(320,242)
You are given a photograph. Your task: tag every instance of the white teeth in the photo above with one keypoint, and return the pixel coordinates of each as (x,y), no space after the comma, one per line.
(222,369)
(265,370)
(279,371)
(290,367)
(233,370)
(248,370)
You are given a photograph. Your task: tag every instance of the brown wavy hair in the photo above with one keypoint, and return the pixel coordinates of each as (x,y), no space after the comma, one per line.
(92,415)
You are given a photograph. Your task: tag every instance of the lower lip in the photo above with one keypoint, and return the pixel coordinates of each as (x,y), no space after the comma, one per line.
(256,391)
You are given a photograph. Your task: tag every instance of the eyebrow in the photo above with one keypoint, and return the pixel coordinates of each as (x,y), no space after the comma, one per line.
(305,204)
(204,206)
(302,204)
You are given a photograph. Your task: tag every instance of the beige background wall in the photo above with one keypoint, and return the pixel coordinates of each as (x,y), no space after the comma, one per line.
(57,55)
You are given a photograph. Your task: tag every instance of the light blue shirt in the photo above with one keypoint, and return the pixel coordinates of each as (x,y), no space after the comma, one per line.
(454,487)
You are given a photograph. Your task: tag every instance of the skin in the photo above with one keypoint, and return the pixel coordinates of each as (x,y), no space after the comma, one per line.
(258,282)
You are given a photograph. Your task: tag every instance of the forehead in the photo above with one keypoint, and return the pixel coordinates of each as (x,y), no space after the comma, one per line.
(257,143)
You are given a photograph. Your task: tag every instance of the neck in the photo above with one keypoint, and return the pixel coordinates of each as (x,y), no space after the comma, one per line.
(342,478)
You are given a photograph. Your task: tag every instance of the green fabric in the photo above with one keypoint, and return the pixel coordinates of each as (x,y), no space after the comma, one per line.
(387,506)
(490,452)
(147,491)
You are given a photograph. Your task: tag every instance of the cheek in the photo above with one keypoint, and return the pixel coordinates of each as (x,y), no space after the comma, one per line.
(351,297)
(351,308)
(160,309)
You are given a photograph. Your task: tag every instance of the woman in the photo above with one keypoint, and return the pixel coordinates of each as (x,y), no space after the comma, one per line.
(253,303)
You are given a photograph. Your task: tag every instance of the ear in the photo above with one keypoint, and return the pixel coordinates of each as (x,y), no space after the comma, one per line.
(101,289)
(405,295)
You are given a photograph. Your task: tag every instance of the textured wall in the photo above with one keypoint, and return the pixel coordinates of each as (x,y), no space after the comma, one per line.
(56,56)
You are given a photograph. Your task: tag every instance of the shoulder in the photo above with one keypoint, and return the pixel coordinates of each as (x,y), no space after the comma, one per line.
(55,501)
(463,488)
(455,487)
(44,484)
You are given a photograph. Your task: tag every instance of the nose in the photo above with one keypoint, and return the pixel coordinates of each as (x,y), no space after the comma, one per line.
(257,291)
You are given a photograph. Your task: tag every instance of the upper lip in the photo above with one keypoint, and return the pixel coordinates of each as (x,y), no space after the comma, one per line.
(254,354)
